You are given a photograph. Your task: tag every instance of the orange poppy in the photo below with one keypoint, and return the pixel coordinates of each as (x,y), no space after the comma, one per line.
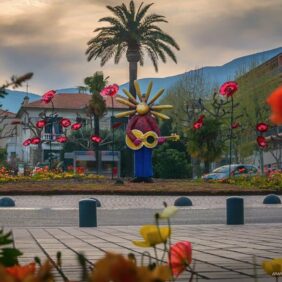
(20,272)
(275,102)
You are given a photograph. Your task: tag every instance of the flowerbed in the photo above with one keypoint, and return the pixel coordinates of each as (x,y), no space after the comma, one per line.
(273,181)
(42,174)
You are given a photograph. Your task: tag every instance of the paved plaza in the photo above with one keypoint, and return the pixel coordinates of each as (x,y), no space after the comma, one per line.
(221,253)
(43,225)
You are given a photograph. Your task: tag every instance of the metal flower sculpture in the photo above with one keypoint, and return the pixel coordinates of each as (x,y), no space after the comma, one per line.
(199,123)
(228,89)
(262,127)
(96,139)
(48,96)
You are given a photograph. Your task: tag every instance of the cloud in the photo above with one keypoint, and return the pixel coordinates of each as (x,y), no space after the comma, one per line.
(49,37)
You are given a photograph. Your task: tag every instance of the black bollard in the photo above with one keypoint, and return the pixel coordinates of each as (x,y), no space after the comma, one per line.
(234,210)
(7,202)
(183,202)
(272,199)
(87,213)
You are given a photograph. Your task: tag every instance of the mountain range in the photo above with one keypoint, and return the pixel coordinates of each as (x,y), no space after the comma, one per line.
(212,75)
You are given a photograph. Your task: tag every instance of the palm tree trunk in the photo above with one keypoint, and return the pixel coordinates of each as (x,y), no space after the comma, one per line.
(132,77)
(97,153)
(133,57)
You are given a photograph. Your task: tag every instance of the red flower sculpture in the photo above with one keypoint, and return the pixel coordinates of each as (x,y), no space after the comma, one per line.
(228,88)
(180,256)
(76,126)
(199,123)
(41,123)
(35,140)
(235,125)
(65,122)
(262,127)
(48,96)
(262,142)
(62,139)
(27,142)
(275,102)
(110,90)
(96,138)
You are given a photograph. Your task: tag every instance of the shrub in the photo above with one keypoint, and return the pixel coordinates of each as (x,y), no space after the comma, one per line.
(170,163)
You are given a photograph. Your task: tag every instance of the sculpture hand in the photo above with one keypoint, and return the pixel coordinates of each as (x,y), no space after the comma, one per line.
(137,141)
(161,140)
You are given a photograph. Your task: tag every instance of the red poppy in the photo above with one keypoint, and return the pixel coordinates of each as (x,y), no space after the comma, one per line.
(41,123)
(275,102)
(228,88)
(27,142)
(235,125)
(62,139)
(48,96)
(65,122)
(180,256)
(96,138)
(110,90)
(35,140)
(262,127)
(76,126)
(199,123)
(262,142)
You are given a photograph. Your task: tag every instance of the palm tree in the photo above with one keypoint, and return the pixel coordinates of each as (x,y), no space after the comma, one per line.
(134,33)
(97,106)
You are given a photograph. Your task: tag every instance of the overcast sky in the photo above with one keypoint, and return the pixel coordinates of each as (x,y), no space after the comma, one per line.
(49,37)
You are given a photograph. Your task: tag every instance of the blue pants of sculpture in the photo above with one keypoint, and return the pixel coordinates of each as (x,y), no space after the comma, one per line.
(143,162)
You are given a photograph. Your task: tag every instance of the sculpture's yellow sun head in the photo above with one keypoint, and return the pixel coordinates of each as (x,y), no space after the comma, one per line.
(143,106)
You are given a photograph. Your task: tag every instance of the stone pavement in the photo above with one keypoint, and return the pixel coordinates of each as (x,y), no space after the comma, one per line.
(52,211)
(221,253)
(128,202)
(43,225)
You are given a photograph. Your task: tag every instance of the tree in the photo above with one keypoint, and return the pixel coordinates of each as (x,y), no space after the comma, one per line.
(134,33)
(97,106)
(184,96)
(206,143)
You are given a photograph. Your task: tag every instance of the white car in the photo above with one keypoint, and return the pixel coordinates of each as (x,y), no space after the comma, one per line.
(222,172)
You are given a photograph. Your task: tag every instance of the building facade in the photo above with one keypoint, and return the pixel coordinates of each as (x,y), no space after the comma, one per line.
(68,106)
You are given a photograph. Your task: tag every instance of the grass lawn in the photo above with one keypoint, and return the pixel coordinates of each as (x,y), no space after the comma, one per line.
(107,186)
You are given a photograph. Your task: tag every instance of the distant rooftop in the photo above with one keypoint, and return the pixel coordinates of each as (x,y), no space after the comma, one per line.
(72,101)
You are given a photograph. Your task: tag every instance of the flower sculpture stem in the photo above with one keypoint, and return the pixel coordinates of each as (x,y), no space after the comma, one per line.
(113,139)
(51,137)
(231,135)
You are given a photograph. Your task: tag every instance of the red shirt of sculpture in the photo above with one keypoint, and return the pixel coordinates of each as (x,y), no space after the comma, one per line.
(143,123)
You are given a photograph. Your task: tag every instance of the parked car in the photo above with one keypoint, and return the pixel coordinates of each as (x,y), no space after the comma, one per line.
(222,172)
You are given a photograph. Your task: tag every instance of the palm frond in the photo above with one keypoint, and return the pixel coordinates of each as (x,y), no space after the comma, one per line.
(153,18)
(132,9)
(168,51)
(118,13)
(141,13)
(153,56)
(163,37)
(112,21)
(120,50)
